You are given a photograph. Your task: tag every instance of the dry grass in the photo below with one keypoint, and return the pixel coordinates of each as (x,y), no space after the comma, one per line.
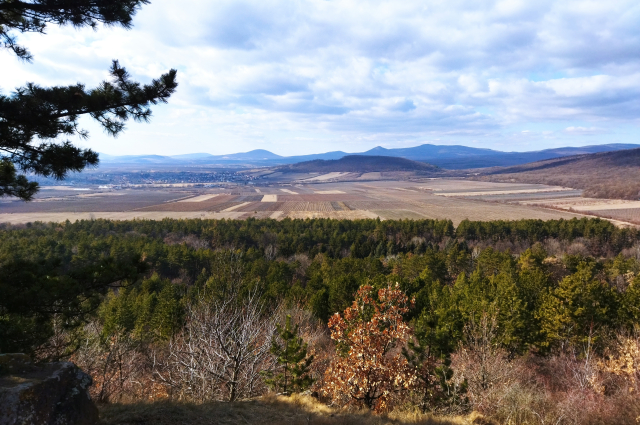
(266,410)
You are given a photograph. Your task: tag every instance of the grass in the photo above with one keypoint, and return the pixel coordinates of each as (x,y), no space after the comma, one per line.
(302,410)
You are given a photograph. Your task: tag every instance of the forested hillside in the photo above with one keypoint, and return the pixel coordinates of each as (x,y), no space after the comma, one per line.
(361,164)
(601,175)
(528,315)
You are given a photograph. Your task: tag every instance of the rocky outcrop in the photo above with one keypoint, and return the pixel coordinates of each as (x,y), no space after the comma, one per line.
(47,394)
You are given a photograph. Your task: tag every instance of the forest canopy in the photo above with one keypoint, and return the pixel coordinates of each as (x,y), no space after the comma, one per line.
(453,317)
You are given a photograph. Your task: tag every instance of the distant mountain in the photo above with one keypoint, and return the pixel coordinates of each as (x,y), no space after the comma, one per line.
(453,157)
(458,157)
(602,175)
(359,164)
(257,155)
(426,151)
(138,159)
(194,156)
(254,155)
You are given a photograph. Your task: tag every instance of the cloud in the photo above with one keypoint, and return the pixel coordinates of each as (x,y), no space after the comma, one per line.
(347,74)
(585,131)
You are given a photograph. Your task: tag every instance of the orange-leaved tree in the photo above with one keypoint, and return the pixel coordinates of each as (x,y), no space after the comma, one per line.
(369,367)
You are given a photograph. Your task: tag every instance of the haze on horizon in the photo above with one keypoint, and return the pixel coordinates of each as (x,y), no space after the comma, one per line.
(310,76)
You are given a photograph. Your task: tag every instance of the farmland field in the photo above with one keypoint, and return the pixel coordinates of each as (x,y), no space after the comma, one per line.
(388,200)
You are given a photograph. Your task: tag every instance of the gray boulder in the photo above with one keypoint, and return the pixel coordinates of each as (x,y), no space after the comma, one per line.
(44,394)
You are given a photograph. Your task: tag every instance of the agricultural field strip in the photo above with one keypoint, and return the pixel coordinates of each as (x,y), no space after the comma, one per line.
(75,196)
(631,215)
(250,198)
(501,192)
(328,192)
(56,217)
(177,199)
(569,202)
(457,185)
(608,207)
(277,214)
(399,214)
(531,198)
(269,198)
(307,206)
(340,206)
(289,191)
(205,205)
(372,204)
(340,215)
(100,194)
(222,206)
(591,204)
(320,198)
(235,207)
(260,206)
(327,176)
(200,198)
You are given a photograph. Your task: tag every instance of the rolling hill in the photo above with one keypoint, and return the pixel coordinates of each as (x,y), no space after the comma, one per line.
(600,175)
(360,164)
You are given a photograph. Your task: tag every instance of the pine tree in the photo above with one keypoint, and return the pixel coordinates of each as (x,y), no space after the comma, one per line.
(33,117)
(579,310)
(293,375)
(434,384)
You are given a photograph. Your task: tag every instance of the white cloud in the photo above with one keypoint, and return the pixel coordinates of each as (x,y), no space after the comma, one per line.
(584,130)
(351,74)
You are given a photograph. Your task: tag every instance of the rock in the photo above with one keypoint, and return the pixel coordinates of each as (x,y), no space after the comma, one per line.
(45,394)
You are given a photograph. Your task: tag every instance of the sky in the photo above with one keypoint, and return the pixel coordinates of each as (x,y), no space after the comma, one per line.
(308,76)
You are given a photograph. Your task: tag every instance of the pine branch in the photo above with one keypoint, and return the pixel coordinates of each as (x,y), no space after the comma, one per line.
(47,113)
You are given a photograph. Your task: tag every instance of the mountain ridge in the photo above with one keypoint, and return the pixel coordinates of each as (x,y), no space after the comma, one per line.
(453,157)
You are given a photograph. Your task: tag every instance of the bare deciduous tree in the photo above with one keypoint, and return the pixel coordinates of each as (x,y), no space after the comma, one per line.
(483,363)
(120,366)
(221,350)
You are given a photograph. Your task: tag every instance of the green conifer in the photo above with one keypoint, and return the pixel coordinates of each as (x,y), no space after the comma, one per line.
(292,374)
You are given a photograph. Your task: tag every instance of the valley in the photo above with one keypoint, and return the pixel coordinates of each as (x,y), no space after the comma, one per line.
(300,198)
(353,187)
